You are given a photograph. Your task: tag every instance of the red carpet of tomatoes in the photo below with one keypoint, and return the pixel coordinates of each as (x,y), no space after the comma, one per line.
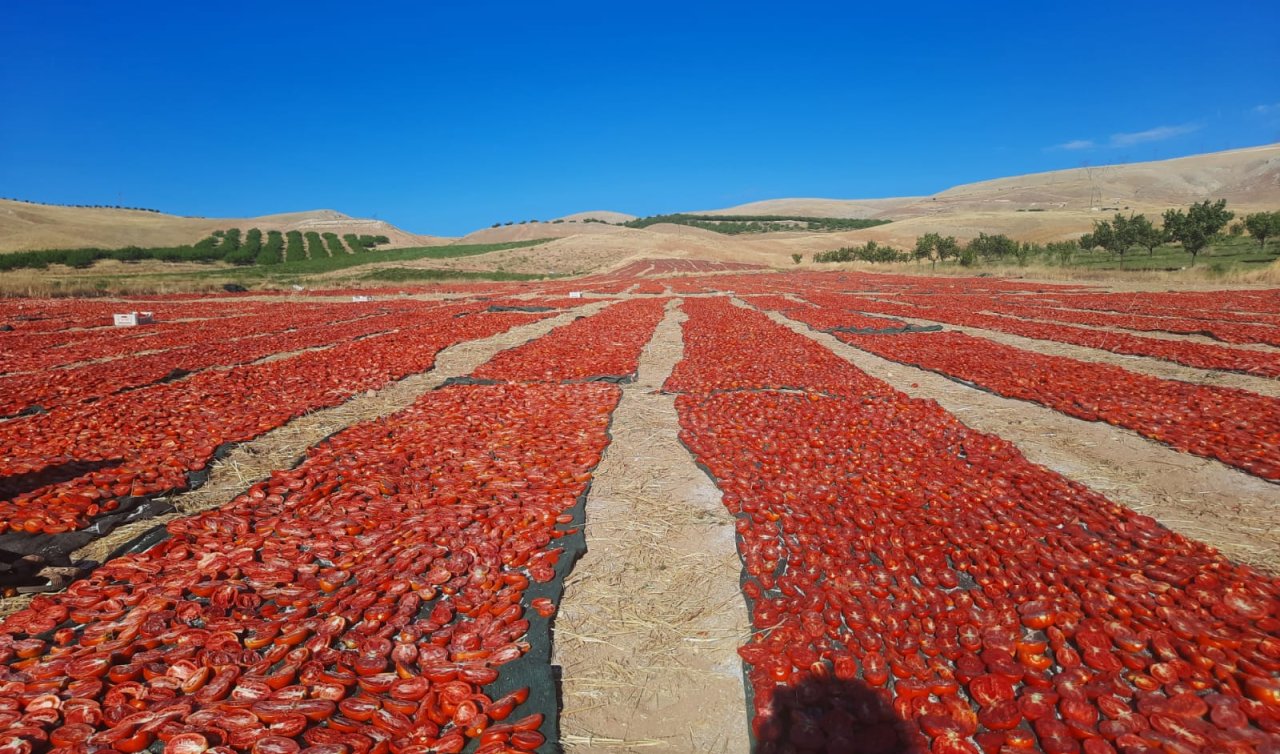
(52,388)
(175,327)
(740,349)
(606,344)
(1236,427)
(993,605)
(149,440)
(359,601)
(971,311)
(824,312)
(1172,322)
(915,586)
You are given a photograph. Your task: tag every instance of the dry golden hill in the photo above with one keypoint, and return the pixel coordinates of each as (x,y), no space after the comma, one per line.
(26,226)
(602,215)
(1046,206)
(530,231)
(842,208)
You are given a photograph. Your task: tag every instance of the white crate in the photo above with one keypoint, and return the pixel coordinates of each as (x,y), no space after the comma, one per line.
(575,294)
(361,299)
(133,319)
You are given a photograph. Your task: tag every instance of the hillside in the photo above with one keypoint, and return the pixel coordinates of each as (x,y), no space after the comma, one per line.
(1053,205)
(26,226)
(530,231)
(845,208)
(602,215)
(1037,207)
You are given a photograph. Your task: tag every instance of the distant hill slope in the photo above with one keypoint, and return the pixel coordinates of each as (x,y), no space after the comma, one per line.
(603,215)
(26,226)
(857,209)
(530,231)
(1249,179)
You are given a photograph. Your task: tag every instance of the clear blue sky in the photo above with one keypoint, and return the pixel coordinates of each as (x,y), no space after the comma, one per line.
(442,117)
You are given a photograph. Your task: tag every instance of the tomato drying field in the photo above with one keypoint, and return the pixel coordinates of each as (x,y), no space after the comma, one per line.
(904,580)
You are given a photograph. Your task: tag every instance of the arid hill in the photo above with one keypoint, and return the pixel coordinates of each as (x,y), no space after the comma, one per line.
(26,226)
(1037,207)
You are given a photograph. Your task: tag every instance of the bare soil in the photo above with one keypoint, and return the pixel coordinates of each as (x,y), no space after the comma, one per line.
(652,615)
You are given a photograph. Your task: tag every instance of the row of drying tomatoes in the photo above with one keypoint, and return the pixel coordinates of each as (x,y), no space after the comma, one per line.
(28,316)
(1237,427)
(605,344)
(969,312)
(50,389)
(1228,306)
(918,586)
(357,604)
(825,311)
(740,349)
(146,441)
(32,353)
(1230,332)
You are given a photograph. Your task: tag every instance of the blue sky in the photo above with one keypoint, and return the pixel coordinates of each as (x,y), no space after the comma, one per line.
(445,117)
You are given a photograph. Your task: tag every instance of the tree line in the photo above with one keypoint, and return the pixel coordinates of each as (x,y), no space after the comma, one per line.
(82,206)
(230,246)
(1193,229)
(738,224)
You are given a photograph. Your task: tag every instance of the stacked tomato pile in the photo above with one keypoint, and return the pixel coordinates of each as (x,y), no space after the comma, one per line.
(358,604)
(606,344)
(918,586)
(1236,427)
(147,441)
(53,388)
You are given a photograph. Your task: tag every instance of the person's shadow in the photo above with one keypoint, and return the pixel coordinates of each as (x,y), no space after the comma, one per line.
(834,717)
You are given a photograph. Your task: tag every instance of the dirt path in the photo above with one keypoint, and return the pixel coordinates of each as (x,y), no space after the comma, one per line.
(1197,497)
(1166,370)
(652,615)
(284,447)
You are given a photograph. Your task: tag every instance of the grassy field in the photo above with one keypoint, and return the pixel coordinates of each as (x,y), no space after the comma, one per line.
(159,277)
(333,264)
(405,274)
(1230,254)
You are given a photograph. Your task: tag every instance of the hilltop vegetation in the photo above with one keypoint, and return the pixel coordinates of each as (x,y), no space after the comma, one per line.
(739,224)
(219,246)
(1177,243)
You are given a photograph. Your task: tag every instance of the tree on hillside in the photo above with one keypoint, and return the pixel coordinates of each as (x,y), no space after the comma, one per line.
(1198,226)
(1144,233)
(926,248)
(1115,235)
(947,248)
(1123,234)
(998,246)
(1262,225)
